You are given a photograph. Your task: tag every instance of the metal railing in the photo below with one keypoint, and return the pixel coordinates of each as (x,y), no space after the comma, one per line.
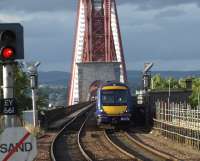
(179,122)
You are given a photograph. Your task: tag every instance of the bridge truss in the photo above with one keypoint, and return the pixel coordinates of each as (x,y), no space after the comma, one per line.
(97,39)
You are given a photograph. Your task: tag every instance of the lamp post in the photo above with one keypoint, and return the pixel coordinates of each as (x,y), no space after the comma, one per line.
(198,97)
(169,92)
(33,73)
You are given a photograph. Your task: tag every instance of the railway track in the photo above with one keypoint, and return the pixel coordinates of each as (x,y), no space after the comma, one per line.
(132,146)
(45,141)
(94,144)
(81,140)
(64,146)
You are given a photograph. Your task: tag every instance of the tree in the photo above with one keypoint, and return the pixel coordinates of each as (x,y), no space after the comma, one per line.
(195,97)
(22,89)
(164,83)
(161,83)
(42,99)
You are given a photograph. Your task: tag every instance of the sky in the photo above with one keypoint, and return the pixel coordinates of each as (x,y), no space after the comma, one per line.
(166,32)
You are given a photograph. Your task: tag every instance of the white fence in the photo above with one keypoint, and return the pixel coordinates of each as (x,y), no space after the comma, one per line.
(179,122)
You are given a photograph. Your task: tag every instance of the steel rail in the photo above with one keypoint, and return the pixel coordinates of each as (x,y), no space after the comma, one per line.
(86,156)
(151,150)
(118,147)
(57,136)
(52,153)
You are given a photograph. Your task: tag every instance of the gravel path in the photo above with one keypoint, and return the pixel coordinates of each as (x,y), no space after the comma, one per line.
(44,144)
(121,139)
(157,141)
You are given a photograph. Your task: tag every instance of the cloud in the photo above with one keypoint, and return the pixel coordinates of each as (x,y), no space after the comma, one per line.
(152,30)
(164,65)
(9,18)
(70,5)
(48,30)
(48,37)
(170,13)
(38,5)
(157,4)
(148,38)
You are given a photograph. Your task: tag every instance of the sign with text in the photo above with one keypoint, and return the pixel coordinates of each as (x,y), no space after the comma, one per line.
(17,144)
(9,106)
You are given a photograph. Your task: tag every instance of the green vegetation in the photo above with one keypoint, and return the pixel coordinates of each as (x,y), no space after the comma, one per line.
(22,90)
(56,95)
(42,99)
(194,98)
(159,83)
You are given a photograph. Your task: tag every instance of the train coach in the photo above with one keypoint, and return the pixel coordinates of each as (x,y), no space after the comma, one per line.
(113,103)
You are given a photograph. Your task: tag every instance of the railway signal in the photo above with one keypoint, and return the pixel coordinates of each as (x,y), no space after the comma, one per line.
(16,143)
(11,49)
(11,42)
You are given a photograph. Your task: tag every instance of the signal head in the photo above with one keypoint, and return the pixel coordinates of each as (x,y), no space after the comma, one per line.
(7,53)
(11,41)
(7,36)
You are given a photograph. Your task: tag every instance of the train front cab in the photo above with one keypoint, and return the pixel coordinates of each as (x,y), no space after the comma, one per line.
(113,105)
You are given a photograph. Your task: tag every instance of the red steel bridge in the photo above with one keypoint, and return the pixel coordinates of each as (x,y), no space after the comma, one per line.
(98,52)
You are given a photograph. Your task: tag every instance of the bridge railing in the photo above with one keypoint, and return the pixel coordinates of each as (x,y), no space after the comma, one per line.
(179,122)
(48,116)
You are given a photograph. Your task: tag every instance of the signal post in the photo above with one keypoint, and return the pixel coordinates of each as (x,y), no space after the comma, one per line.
(12,49)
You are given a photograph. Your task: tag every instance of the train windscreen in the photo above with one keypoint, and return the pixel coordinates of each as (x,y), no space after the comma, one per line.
(114,97)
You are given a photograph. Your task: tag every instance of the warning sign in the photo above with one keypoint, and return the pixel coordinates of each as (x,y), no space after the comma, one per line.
(17,144)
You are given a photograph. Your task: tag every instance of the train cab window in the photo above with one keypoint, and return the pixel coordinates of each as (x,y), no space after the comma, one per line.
(108,99)
(115,97)
(121,99)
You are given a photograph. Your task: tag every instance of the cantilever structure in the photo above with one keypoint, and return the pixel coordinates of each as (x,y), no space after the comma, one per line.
(97,43)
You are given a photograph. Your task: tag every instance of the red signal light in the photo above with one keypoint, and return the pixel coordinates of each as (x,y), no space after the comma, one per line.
(7,53)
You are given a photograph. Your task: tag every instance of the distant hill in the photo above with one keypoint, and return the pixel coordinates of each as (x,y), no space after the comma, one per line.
(54,78)
(134,77)
(178,74)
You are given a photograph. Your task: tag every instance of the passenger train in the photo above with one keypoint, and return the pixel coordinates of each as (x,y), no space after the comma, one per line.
(113,103)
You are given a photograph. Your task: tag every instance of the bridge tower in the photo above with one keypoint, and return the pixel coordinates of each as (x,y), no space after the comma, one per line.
(98,53)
